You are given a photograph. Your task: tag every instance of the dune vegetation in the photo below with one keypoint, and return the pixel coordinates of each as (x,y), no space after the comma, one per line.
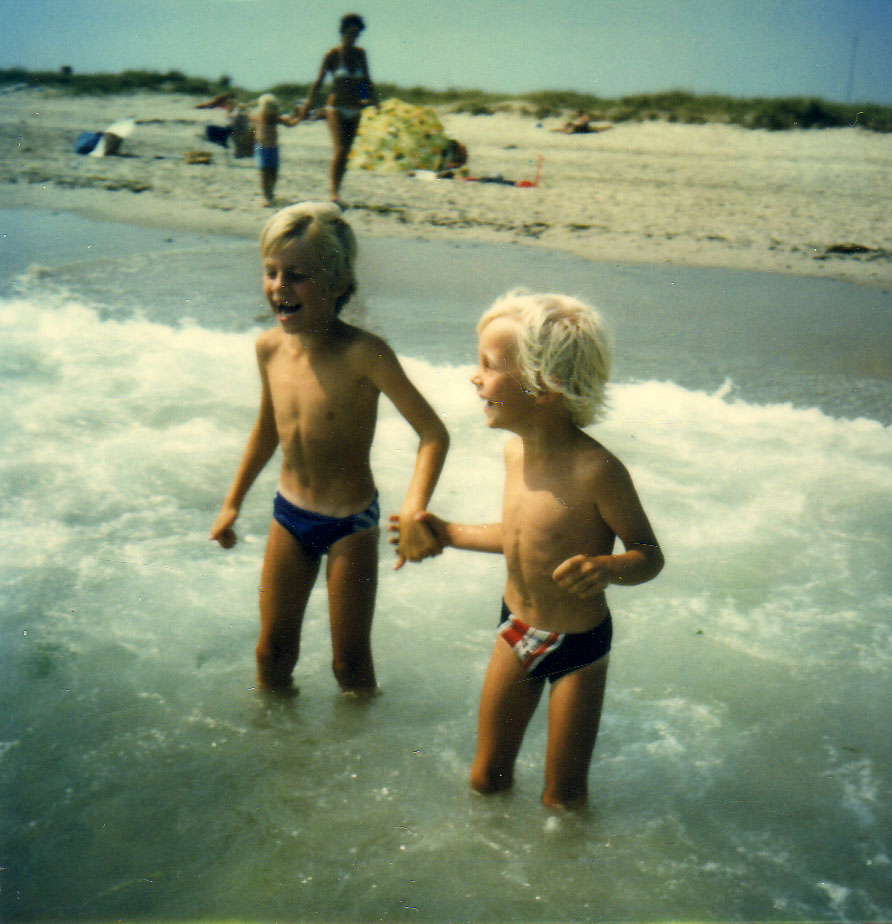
(773,114)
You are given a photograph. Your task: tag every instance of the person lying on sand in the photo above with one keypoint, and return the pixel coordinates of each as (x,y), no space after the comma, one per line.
(581,124)
(220,101)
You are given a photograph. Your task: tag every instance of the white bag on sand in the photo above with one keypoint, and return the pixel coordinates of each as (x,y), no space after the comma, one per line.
(112,137)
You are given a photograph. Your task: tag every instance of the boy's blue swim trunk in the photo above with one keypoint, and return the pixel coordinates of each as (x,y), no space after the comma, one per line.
(316,532)
(267,158)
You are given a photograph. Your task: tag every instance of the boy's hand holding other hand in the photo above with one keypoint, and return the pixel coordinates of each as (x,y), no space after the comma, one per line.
(416,537)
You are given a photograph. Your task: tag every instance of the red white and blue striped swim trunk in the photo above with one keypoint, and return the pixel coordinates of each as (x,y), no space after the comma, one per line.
(553,654)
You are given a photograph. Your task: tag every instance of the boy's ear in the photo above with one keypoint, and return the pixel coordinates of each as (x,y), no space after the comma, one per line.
(337,289)
(547,397)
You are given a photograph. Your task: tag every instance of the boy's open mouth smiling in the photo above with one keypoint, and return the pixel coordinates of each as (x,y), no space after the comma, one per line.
(286,311)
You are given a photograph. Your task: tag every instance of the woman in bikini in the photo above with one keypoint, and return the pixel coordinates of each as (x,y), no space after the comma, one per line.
(352,89)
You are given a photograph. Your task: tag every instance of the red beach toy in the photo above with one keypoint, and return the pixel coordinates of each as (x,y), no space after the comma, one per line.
(527,184)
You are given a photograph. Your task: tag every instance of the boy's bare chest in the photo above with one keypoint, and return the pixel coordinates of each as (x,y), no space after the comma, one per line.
(549,513)
(309,391)
(541,507)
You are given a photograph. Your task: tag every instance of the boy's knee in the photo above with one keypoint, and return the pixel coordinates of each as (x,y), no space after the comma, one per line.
(274,649)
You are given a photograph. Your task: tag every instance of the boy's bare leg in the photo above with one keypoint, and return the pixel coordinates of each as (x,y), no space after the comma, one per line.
(574,713)
(352,583)
(285,584)
(507,703)
(268,177)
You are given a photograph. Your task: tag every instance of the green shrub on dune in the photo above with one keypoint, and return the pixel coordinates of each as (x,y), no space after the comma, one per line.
(106,84)
(679,106)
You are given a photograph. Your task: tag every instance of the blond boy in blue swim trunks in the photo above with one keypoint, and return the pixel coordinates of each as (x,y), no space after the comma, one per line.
(266,121)
(543,365)
(321,379)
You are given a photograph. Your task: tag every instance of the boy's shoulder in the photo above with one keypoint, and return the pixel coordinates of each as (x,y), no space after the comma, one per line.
(584,455)
(268,340)
(368,345)
(594,464)
(586,460)
(358,347)
(590,451)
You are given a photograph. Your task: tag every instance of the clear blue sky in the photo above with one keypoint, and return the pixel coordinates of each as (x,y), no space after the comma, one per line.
(607,47)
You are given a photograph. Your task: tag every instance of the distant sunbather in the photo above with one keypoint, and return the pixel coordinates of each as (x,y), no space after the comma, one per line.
(220,101)
(580,123)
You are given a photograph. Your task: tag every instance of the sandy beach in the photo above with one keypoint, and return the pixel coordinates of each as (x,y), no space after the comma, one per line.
(808,203)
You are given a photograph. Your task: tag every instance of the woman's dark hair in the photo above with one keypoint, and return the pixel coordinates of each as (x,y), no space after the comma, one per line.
(352,19)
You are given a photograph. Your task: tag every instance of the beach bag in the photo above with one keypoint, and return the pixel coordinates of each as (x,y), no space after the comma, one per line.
(218,134)
(86,141)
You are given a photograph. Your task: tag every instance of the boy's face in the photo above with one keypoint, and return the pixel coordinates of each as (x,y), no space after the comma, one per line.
(297,290)
(507,400)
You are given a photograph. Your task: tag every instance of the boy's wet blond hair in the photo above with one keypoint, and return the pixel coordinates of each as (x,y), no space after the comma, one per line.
(563,346)
(268,105)
(322,227)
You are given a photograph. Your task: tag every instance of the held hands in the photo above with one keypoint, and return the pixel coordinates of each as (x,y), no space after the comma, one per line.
(222,530)
(419,536)
(583,575)
(426,535)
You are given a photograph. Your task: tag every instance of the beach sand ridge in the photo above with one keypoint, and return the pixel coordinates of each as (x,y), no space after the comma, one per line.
(811,203)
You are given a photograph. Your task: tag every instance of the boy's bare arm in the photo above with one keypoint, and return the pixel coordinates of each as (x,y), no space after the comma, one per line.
(415,542)
(261,445)
(480,537)
(485,537)
(621,509)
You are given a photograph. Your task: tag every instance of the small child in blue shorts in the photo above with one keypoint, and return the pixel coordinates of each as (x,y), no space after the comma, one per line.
(266,121)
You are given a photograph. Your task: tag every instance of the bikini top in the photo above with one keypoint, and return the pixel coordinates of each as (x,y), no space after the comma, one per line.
(343,71)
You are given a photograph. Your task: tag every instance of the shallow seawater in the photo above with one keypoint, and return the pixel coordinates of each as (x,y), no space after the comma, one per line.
(743,769)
